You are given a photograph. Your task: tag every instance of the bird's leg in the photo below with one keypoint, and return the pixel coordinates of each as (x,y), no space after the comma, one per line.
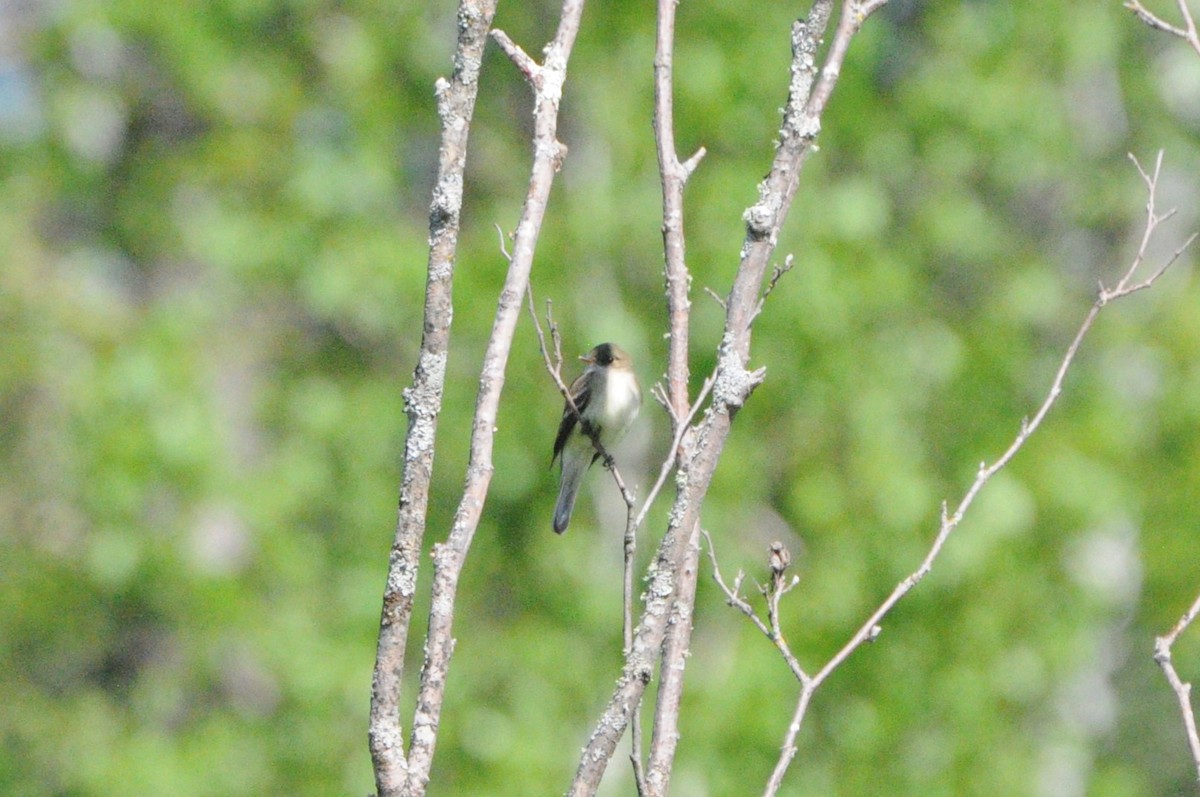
(593,433)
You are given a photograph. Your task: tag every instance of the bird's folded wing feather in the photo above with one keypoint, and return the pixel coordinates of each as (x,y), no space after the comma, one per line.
(580,394)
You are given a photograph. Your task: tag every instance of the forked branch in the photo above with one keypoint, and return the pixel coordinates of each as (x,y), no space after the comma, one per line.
(666,597)
(398,774)
(950,520)
(1187,32)
(423,400)
(1182,689)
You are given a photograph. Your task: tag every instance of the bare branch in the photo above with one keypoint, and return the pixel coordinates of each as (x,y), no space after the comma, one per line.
(1183,623)
(665,737)
(716,297)
(691,163)
(776,274)
(1183,691)
(1187,33)
(503,242)
(951,520)
(1153,220)
(681,430)
(660,395)
(673,176)
(732,384)
(871,629)
(449,556)
(635,727)
(521,60)
(553,368)
(1162,645)
(866,9)
(423,400)
(778,586)
(733,595)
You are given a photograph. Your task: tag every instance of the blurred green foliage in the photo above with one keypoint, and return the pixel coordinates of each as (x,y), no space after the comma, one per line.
(214,235)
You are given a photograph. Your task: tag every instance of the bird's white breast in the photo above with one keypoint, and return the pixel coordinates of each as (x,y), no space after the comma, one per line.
(622,400)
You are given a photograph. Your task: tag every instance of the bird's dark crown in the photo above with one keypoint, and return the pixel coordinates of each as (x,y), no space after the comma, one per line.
(603,354)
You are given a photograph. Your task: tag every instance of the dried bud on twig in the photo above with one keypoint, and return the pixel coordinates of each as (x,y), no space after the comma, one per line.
(780,558)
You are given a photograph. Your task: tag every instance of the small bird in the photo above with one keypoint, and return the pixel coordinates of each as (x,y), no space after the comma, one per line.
(608,398)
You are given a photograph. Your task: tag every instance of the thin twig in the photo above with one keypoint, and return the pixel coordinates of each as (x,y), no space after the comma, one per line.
(1183,624)
(521,59)
(733,382)
(635,725)
(681,431)
(716,297)
(776,274)
(659,393)
(1182,689)
(770,628)
(1163,644)
(869,7)
(1187,33)
(504,238)
(950,521)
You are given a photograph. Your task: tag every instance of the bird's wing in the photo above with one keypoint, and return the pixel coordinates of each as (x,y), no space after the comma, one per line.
(581,394)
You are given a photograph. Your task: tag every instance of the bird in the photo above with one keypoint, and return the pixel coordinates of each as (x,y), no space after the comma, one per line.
(608,397)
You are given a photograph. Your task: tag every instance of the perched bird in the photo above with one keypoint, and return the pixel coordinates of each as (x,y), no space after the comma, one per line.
(608,398)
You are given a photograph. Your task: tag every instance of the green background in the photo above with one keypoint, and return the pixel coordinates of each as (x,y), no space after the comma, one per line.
(214,239)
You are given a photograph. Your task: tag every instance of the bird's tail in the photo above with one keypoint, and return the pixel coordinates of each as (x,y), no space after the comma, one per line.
(572,476)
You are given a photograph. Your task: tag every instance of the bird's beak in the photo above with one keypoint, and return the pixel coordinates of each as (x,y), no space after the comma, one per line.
(588,359)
